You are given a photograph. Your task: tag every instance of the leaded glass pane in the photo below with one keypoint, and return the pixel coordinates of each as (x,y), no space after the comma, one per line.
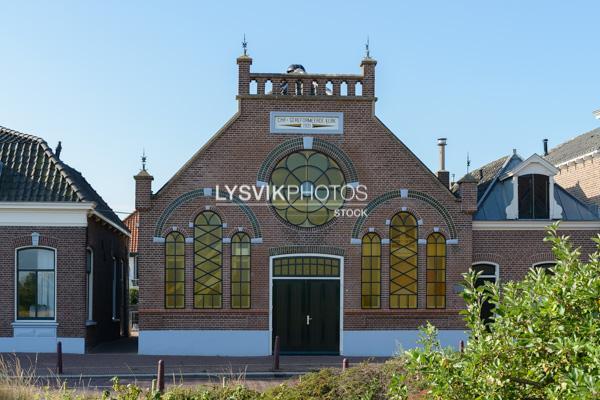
(313,186)
(403,261)
(306,266)
(174,270)
(370,271)
(240,270)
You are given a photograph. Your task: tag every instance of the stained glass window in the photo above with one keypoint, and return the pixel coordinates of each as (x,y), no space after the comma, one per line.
(436,271)
(306,266)
(313,186)
(240,270)
(371,271)
(208,260)
(174,270)
(403,261)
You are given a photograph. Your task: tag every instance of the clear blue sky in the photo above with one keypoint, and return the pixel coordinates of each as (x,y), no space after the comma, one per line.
(108,78)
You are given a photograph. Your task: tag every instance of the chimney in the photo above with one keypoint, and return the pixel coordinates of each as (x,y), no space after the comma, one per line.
(368,84)
(545,147)
(467,189)
(442,174)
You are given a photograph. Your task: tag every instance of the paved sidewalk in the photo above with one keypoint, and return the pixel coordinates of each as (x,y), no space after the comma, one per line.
(134,365)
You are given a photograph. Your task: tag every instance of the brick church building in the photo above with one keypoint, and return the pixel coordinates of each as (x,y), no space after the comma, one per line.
(224,269)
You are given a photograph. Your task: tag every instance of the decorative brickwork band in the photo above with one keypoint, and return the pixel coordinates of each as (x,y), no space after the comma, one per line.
(298,144)
(278,251)
(194,194)
(404,193)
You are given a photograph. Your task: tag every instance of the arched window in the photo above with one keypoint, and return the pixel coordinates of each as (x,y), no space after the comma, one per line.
(240,270)
(436,271)
(546,266)
(208,260)
(488,273)
(174,270)
(35,283)
(371,271)
(403,261)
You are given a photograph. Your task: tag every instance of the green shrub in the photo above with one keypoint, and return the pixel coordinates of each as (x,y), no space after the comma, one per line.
(544,342)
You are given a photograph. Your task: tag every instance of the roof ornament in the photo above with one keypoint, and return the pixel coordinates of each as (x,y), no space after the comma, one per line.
(144,158)
(58,149)
(367,51)
(468,162)
(245,45)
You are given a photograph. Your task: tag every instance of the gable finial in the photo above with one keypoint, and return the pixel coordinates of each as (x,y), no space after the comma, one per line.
(245,45)
(367,50)
(144,158)
(468,162)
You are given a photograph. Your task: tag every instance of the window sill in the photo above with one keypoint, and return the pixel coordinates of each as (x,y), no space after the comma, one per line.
(90,323)
(34,322)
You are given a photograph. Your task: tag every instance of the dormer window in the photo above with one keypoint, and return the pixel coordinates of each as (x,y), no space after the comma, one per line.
(533,197)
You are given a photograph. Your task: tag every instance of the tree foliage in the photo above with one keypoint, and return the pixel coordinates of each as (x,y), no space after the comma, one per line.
(544,342)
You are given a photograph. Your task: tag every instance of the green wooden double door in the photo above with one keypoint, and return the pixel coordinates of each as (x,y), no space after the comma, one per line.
(306,315)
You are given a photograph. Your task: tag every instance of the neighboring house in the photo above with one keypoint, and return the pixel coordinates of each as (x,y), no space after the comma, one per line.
(132,223)
(516,200)
(578,162)
(225,274)
(63,253)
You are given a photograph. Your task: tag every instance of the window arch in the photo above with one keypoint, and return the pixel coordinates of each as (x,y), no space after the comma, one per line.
(208,260)
(403,261)
(174,270)
(371,271)
(436,271)
(240,270)
(36,283)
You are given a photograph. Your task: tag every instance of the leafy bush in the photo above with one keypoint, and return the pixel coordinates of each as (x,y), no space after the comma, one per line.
(133,296)
(544,342)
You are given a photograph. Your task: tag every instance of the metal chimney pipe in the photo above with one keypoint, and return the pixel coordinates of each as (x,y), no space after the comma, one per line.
(545,147)
(442,146)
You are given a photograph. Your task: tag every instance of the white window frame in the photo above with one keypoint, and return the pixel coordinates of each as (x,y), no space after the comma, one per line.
(89,286)
(496,274)
(16,300)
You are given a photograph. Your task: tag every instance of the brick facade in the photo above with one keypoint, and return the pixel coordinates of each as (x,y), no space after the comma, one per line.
(582,179)
(242,152)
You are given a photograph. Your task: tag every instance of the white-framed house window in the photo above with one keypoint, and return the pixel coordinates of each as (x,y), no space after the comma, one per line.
(35,283)
(490,272)
(89,273)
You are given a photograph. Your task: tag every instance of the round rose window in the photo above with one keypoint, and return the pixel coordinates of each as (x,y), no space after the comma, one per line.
(306,188)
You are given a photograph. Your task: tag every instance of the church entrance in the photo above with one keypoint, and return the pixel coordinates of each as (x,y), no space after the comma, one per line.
(306,304)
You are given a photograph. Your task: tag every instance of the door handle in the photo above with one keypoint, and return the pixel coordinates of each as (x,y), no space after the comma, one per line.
(308,319)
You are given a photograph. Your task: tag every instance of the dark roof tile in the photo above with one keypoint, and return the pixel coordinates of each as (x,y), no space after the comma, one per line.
(578,146)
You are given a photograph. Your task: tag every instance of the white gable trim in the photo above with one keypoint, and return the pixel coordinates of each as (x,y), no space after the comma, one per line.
(534,225)
(45,213)
(533,165)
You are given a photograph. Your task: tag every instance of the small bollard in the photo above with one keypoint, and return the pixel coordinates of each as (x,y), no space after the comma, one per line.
(345,364)
(59,358)
(276,354)
(462,346)
(160,378)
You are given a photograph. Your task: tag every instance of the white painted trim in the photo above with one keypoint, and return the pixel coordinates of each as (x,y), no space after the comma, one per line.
(205,342)
(581,158)
(421,241)
(307,142)
(533,225)
(385,241)
(16,272)
(111,223)
(532,165)
(355,241)
(387,343)
(257,240)
(41,345)
(340,278)
(496,275)
(451,241)
(158,239)
(45,214)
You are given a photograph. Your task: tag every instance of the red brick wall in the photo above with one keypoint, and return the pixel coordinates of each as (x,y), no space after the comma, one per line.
(582,180)
(517,251)
(70,243)
(235,156)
